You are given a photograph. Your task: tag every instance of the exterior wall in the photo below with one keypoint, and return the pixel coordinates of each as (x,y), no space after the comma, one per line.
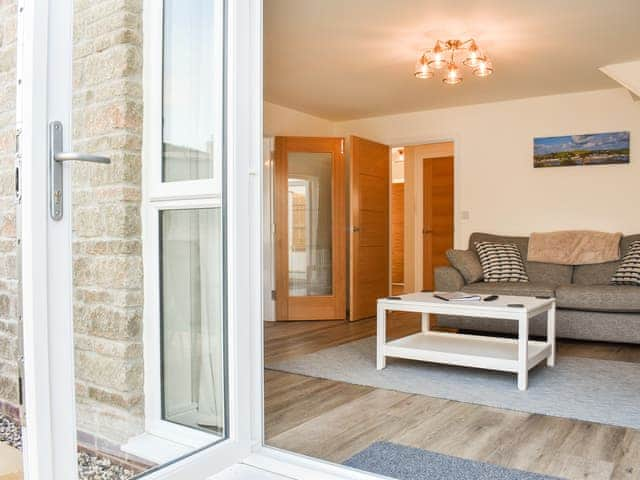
(8,271)
(107,246)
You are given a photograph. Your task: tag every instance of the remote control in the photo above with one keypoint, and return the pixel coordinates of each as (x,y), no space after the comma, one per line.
(515,305)
(490,298)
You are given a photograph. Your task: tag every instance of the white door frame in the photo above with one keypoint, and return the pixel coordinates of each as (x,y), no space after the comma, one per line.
(44,52)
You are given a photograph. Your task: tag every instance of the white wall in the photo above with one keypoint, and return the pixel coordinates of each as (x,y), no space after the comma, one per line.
(278,120)
(495,179)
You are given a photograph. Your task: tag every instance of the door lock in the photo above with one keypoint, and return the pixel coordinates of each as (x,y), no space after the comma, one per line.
(56,158)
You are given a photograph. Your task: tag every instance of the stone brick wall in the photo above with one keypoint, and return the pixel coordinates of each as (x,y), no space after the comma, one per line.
(108,297)
(107,249)
(8,272)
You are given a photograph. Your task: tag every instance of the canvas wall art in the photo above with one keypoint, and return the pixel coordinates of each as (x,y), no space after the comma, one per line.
(572,150)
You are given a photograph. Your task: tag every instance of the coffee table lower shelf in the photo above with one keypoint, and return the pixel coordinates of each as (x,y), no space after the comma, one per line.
(491,353)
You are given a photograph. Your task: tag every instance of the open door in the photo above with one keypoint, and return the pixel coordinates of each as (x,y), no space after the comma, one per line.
(437,233)
(369,237)
(310,229)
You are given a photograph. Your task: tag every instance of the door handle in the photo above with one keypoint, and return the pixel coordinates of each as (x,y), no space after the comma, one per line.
(356,229)
(80,157)
(56,158)
(424,231)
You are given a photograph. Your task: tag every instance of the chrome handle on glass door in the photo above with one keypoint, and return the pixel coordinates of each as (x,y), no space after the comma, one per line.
(56,158)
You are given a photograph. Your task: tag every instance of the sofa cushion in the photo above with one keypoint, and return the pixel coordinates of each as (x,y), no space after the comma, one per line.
(628,272)
(599,298)
(597,274)
(504,288)
(501,262)
(626,242)
(467,263)
(521,242)
(539,272)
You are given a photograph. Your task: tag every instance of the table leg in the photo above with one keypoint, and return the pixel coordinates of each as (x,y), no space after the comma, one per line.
(551,334)
(381,337)
(425,323)
(523,352)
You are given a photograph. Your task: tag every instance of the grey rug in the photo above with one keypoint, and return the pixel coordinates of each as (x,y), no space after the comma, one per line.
(407,463)
(581,388)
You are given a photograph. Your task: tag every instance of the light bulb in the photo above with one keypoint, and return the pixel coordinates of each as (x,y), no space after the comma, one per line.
(437,60)
(422,68)
(484,68)
(453,75)
(473,57)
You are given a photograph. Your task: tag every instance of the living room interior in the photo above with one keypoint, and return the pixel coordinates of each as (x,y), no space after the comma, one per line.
(409,148)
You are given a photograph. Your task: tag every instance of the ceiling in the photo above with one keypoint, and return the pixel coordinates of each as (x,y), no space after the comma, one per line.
(346,59)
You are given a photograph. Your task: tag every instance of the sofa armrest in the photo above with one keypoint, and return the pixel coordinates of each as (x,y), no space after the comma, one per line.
(448,279)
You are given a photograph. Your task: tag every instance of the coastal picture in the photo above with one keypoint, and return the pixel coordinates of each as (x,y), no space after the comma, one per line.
(570,150)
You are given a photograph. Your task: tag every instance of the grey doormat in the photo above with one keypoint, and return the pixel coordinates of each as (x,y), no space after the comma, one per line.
(581,388)
(407,463)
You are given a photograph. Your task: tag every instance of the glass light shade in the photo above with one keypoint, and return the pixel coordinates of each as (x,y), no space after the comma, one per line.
(453,75)
(437,60)
(474,56)
(422,68)
(484,68)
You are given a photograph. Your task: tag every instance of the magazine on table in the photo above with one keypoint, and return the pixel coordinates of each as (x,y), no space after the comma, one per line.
(458,296)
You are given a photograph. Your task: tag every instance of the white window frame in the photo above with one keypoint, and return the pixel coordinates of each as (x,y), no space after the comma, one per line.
(163,440)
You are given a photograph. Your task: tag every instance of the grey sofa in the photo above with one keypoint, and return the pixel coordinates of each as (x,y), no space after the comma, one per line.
(589,308)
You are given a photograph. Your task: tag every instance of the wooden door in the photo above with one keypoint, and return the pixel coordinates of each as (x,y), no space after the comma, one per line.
(437,233)
(397,236)
(310,228)
(369,237)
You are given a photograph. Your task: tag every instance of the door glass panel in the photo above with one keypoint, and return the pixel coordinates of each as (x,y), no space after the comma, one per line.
(192,327)
(310,223)
(189,93)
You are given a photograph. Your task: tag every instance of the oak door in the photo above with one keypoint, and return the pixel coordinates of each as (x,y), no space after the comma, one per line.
(310,228)
(369,238)
(437,233)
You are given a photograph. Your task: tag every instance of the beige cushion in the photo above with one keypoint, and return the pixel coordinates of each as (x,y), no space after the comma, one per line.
(599,298)
(467,263)
(523,289)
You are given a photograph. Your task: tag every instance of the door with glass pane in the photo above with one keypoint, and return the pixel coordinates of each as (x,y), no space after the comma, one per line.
(310,228)
(131,357)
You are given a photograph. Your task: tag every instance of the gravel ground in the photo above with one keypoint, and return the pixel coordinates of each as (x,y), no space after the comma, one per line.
(90,466)
(10,432)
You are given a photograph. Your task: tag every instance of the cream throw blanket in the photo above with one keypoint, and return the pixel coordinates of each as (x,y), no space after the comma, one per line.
(581,247)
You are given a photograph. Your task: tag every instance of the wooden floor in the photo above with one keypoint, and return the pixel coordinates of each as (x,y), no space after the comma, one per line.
(334,420)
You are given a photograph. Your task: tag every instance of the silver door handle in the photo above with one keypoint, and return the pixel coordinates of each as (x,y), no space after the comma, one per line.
(80,157)
(57,156)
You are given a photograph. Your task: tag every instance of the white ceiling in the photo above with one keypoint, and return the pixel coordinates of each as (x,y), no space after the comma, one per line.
(345,59)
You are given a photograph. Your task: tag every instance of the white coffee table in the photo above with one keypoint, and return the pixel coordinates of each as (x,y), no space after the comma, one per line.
(491,353)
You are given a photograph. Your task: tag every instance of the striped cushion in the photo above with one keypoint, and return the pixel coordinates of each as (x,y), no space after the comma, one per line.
(628,272)
(501,262)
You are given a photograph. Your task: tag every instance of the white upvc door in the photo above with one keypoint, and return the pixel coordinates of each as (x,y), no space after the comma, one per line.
(45,95)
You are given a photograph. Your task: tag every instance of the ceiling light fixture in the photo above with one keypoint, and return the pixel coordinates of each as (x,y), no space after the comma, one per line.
(447,54)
